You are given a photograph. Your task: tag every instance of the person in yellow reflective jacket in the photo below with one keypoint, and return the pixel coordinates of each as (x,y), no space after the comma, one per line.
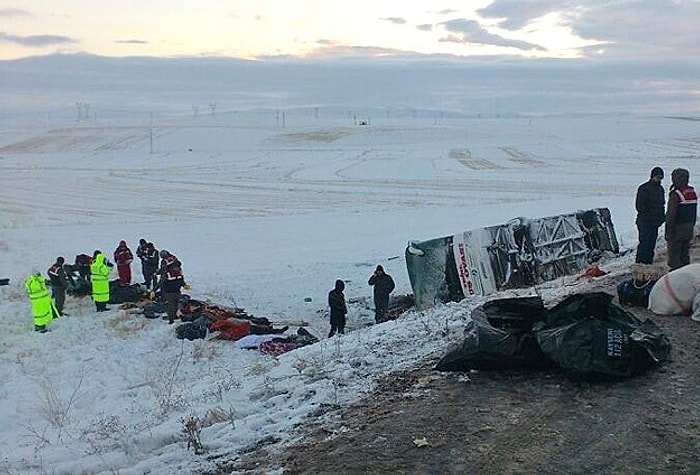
(43,307)
(99,277)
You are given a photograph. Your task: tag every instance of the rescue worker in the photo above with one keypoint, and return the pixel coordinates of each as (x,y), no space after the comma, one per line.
(170,282)
(43,308)
(59,284)
(383,286)
(681,214)
(141,254)
(149,263)
(123,258)
(99,278)
(336,301)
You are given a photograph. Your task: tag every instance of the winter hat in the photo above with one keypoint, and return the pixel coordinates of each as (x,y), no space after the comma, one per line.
(60,260)
(164,253)
(680,176)
(122,243)
(339,285)
(657,171)
(379,269)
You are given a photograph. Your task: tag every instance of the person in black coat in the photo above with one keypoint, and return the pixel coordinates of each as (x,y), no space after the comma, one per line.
(336,301)
(383,286)
(650,204)
(59,284)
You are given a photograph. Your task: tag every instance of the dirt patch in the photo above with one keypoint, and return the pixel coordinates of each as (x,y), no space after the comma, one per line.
(318,135)
(504,422)
(513,422)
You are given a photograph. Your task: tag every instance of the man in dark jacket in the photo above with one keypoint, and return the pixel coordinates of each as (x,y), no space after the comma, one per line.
(680,218)
(650,203)
(336,301)
(59,283)
(149,262)
(141,254)
(383,286)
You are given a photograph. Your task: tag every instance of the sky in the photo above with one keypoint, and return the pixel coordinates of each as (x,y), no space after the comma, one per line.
(266,217)
(260,29)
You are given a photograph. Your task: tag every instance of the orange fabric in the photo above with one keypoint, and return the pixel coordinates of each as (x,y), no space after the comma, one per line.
(231,329)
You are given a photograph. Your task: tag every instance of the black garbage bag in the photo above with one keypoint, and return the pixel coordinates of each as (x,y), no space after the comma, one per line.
(588,336)
(500,337)
(119,294)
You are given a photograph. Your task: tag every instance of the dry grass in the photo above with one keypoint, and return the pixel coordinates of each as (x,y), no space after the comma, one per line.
(54,406)
(126,324)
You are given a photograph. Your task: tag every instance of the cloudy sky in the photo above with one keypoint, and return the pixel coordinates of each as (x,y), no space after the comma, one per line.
(322,28)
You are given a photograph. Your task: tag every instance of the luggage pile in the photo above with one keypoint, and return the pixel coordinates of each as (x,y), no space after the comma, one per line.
(585,336)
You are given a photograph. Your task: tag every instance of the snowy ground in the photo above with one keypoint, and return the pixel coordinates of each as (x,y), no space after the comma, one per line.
(265,214)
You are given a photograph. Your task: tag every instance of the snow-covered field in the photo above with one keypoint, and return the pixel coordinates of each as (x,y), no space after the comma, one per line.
(265,212)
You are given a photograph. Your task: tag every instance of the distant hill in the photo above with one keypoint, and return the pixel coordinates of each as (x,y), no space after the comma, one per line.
(486,88)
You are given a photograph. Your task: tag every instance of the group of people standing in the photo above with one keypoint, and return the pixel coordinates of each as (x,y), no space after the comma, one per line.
(678,216)
(383,285)
(161,271)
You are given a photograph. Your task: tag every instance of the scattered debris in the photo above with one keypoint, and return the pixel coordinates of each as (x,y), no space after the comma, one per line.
(421,442)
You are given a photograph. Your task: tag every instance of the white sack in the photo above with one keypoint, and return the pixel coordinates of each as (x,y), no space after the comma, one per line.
(677,293)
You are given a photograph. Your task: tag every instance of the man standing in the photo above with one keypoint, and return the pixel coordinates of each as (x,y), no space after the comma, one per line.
(99,277)
(141,254)
(336,301)
(123,258)
(59,284)
(150,265)
(149,262)
(383,286)
(171,280)
(650,204)
(680,218)
(43,308)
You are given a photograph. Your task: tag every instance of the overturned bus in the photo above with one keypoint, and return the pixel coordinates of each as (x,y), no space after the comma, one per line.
(520,253)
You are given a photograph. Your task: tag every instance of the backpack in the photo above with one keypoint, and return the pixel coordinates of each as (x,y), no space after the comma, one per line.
(634,293)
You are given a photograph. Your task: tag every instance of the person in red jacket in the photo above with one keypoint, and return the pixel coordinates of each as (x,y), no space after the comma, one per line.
(123,258)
